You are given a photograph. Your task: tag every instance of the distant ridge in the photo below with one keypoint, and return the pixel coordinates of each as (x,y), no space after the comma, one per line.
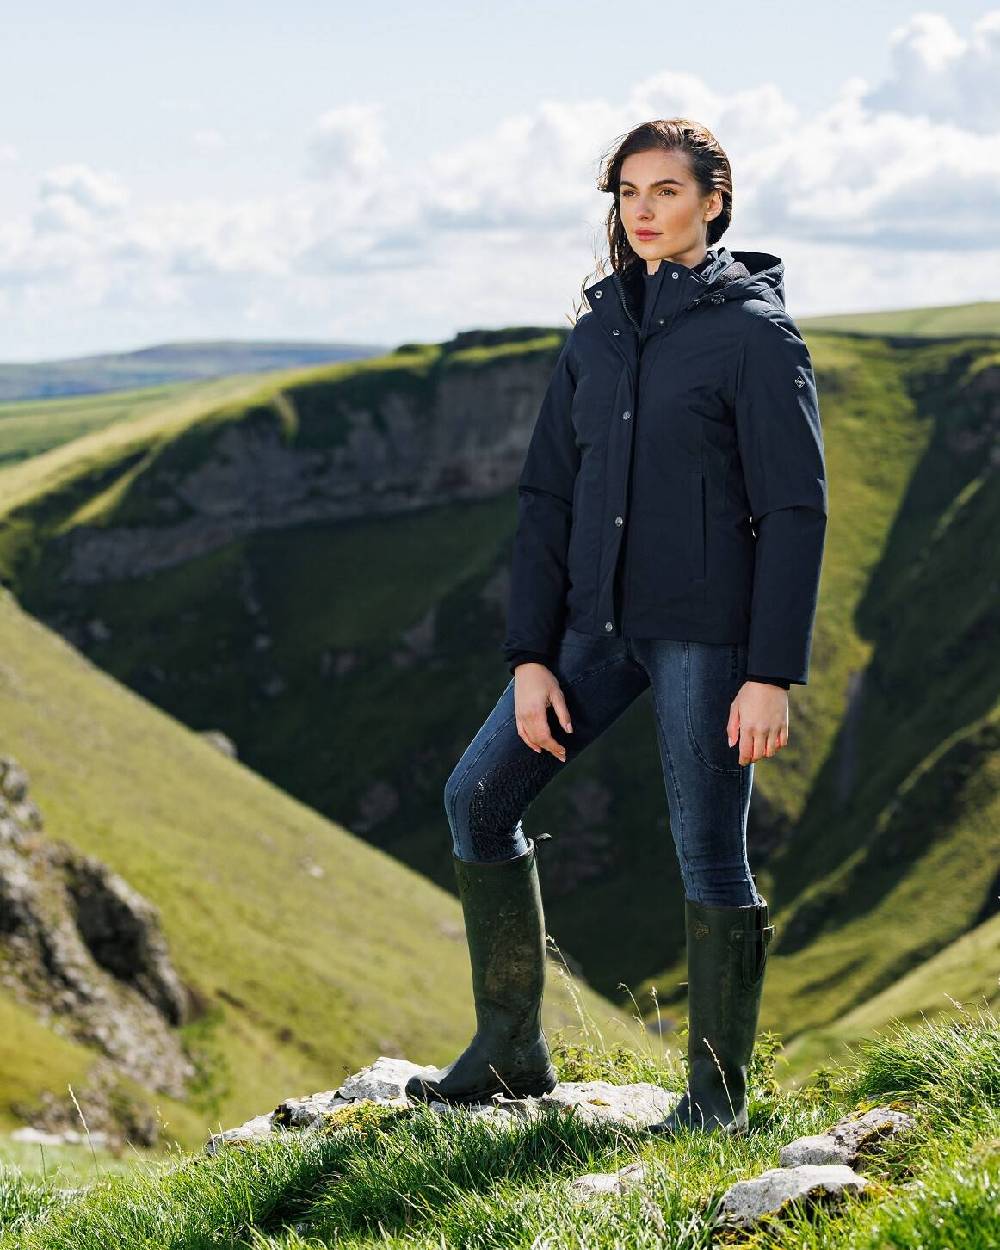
(168,362)
(935,321)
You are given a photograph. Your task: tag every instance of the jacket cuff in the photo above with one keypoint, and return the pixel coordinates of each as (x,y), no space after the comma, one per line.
(529,658)
(773,681)
(521,657)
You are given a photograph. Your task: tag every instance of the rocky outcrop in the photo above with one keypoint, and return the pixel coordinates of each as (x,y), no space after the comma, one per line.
(222,742)
(84,950)
(766,1196)
(816,1170)
(461,436)
(848,1140)
(384,1081)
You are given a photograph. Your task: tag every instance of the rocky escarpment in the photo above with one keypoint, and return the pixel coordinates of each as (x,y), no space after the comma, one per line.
(320,452)
(84,950)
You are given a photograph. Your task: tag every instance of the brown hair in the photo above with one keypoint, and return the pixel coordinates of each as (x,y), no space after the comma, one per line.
(709,167)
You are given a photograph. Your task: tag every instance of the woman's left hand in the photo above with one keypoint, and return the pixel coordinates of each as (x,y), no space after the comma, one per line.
(758,716)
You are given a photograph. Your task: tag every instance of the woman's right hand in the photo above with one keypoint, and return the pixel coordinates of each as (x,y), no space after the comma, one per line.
(535,691)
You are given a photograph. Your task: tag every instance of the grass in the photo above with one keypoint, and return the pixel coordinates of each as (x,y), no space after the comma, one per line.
(29,427)
(377,1175)
(941,320)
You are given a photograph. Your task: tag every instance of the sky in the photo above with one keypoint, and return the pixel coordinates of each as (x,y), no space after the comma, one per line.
(396,172)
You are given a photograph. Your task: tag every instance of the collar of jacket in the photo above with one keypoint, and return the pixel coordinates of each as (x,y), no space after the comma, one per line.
(732,275)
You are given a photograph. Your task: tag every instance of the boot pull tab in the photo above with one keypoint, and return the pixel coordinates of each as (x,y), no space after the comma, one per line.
(755,943)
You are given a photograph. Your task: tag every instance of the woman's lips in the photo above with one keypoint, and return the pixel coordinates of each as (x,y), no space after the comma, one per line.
(647,234)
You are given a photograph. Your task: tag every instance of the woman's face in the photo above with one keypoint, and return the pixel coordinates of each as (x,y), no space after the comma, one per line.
(663,212)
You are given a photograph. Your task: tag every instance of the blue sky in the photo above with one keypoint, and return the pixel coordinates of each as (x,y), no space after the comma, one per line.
(390,172)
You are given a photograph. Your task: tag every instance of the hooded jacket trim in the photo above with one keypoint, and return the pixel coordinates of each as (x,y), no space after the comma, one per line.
(733,275)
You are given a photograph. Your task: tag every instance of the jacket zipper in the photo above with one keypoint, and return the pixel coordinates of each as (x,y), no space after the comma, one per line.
(628,313)
(624,303)
(635,404)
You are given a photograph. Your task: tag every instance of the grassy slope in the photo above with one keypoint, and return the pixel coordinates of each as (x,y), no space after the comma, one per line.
(309,977)
(964,972)
(886,408)
(33,426)
(397,1177)
(33,1058)
(934,322)
(166,415)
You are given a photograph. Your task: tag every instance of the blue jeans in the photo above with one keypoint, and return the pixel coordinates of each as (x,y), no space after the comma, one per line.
(708,790)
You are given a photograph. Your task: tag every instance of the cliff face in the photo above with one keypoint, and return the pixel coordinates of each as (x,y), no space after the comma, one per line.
(84,949)
(459,434)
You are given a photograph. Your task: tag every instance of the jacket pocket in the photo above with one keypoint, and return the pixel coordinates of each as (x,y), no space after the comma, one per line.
(698,569)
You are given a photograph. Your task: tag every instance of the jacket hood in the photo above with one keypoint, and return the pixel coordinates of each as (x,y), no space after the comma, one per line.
(744,275)
(729,275)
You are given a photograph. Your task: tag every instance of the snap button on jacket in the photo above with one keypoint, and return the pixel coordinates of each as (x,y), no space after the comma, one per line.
(674,484)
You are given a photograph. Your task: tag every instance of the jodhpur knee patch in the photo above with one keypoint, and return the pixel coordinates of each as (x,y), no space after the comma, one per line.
(500,797)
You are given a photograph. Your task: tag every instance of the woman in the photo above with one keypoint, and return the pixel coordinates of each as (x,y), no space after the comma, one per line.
(672,513)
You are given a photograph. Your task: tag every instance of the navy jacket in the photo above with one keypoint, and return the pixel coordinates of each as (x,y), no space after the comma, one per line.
(675,484)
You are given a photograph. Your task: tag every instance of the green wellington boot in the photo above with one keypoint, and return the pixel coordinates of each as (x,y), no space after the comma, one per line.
(727,955)
(505,930)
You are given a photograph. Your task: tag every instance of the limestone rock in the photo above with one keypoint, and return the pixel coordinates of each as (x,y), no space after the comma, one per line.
(767,1195)
(597,1183)
(847,1139)
(641,1104)
(306,1112)
(84,949)
(221,742)
(384,1082)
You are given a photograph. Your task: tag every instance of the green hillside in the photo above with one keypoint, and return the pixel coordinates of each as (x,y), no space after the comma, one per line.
(944,320)
(30,427)
(966,971)
(310,952)
(351,661)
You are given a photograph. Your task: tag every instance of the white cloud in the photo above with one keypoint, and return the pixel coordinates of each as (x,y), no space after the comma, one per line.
(347,143)
(855,175)
(877,196)
(939,75)
(76,198)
